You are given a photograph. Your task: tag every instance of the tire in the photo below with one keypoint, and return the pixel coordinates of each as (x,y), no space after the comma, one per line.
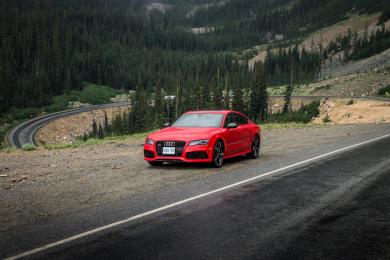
(154,163)
(218,154)
(255,148)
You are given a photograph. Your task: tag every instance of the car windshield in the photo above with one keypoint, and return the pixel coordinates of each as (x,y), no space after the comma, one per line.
(199,120)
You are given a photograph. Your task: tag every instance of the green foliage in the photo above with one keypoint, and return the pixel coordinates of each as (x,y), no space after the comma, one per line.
(287,98)
(356,47)
(140,119)
(385,91)
(326,119)
(385,16)
(3,132)
(137,120)
(59,103)
(304,115)
(238,102)
(324,87)
(7,149)
(286,125)
(49,48)
(93,94)
(29,147)
(23,113)
(301,66)
(258,107)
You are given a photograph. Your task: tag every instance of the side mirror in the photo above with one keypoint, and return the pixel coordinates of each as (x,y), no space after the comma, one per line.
(232,125)
(166,124)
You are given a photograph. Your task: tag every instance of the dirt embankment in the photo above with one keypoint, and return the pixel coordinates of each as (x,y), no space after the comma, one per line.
(350,111)
(276,104)
(68,129)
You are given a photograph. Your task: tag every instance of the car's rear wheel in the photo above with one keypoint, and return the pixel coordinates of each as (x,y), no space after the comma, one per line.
(154,163)
(255,148)
(218,154)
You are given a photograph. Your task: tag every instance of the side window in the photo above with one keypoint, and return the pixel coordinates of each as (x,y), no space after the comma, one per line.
(230,118)
(241,120)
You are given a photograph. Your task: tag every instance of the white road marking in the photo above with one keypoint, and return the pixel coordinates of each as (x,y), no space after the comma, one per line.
(124,221)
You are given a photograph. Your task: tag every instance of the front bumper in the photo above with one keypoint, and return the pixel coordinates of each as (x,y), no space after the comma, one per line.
(190,154)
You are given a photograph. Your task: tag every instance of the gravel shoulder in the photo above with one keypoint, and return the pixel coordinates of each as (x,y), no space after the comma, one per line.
(37,185)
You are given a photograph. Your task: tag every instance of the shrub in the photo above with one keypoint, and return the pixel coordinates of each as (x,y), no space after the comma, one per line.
(385,91)
(29,147)
(326,119)
(302,115)
(59,103)
(23,113)
(94,94)
(350,102)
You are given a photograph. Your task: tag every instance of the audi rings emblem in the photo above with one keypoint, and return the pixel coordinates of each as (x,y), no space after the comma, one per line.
(171,144)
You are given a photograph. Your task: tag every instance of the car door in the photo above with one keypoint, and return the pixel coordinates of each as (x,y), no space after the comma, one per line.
(244,132)
(232,136)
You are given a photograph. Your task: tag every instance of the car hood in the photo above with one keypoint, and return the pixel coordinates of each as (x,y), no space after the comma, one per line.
(183,133)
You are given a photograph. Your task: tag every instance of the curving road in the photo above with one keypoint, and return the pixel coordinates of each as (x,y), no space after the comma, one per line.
(25,132)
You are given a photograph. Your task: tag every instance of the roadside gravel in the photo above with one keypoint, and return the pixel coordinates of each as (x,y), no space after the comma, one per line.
(44,183)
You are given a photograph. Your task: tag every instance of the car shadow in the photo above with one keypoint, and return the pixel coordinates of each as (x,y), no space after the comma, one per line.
(192,166)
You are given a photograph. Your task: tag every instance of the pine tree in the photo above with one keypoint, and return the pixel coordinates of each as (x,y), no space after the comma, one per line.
(238,103)
(227,92)
(116,123)
(258,107)
(204,96)
(141,110)
(287,99)
(106,126)
(94,128)
(100,132)
(217,94)
(158,106)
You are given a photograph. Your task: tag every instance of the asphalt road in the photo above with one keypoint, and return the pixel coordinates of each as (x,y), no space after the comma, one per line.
(335,207)
(25,132)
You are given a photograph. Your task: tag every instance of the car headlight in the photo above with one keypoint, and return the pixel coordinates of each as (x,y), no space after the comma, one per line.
(149,141)
(199,142)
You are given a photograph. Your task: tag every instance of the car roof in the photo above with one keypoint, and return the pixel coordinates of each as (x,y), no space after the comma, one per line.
(211,112)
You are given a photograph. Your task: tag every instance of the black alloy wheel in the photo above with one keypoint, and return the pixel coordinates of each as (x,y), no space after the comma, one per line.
(218,154)
(255,148)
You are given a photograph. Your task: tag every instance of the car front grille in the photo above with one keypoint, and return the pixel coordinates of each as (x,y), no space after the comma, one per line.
(179,147)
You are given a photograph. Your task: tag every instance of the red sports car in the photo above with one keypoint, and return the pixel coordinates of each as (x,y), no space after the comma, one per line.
(204,137)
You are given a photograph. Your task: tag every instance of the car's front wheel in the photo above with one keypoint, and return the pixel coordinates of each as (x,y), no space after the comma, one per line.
(154,163)
(255,148)
(218,154)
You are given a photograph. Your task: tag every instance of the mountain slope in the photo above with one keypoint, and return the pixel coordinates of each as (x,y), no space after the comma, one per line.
(49,48)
